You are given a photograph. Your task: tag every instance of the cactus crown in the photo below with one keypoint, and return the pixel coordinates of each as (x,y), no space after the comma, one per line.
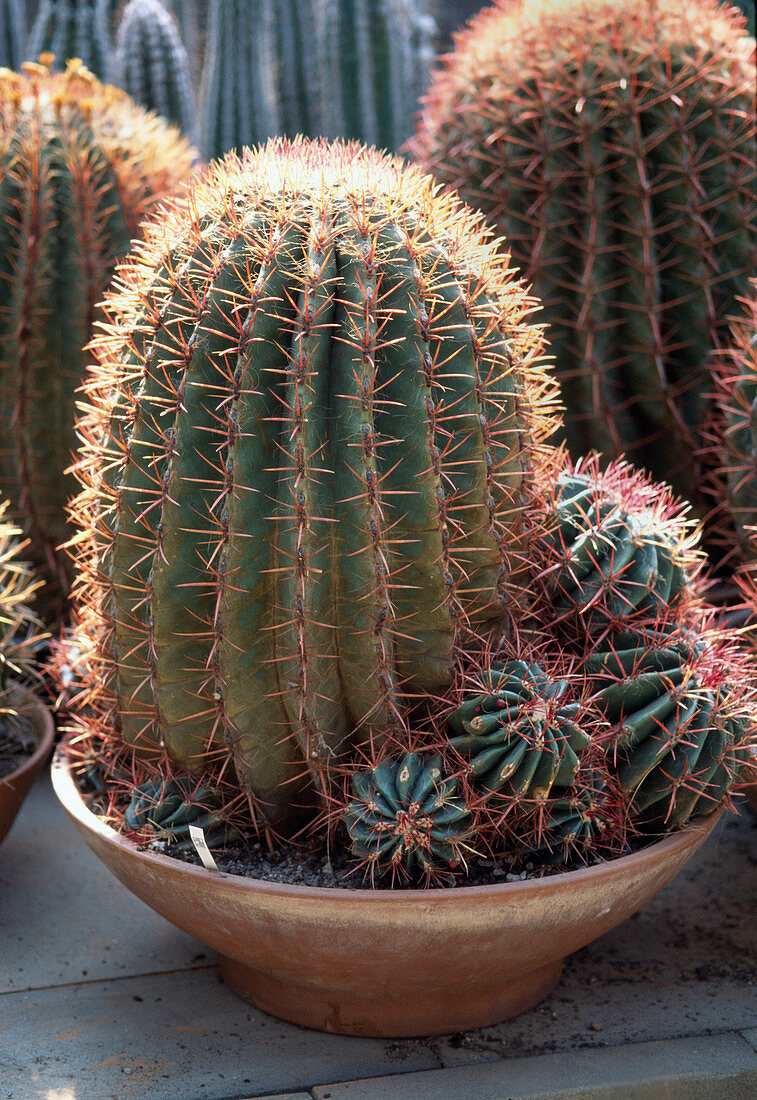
(306,458)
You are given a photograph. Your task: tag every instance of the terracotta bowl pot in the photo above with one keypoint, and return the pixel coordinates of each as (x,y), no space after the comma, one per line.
(382,962)
(15,787)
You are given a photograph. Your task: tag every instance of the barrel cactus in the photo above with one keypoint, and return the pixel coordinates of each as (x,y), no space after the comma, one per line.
(614,146)
(150,63)
(616,549)
(70,29)
(677,730)
(308,449)
(519,735)
(81,166)
(407,820)
(19,628)
(314,67)
(576,826)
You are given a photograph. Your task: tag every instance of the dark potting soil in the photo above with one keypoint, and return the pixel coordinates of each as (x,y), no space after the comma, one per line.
(18,740)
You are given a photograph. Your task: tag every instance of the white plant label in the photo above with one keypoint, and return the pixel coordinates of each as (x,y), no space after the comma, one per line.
(201,847)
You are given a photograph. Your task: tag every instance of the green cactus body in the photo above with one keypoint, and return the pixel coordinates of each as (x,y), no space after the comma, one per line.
(11,33)
(168,810)
(150,63)
(71,29)
(570,826)
(307,482)
(349,69)
(608,563)
(519,735)
(404,817)
(679,747)
(81,166)
(737,392)
(614,146)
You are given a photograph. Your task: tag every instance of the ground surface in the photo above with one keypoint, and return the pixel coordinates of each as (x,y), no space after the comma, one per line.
(100,999)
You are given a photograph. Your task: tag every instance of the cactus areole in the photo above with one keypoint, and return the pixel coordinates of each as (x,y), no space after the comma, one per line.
(307,455)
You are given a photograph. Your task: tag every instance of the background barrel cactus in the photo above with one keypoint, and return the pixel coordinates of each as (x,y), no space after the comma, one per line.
(308,449)
(71,29)
(81,166)
(614,146)
(12,34)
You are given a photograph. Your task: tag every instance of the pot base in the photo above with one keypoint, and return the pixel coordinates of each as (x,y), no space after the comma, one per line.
(388,1014)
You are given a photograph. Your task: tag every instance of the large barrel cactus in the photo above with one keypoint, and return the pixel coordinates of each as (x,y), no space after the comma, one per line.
(307,454)
(81,165)
(614,145)
(314,67)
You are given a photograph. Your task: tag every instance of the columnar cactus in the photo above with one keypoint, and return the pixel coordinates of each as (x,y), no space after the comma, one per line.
(616,549)
(308,448)
(70,29)
(81,166)
(614,146)
(11,33)
(314,67)
(676,729)
(150,63)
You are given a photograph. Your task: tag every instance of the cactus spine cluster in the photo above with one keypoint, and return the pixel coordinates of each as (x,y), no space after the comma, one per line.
(314,67)
(70,29)
(19,627)
(614,146)
(81,166)
(11,33)
(150,63)
(308,448)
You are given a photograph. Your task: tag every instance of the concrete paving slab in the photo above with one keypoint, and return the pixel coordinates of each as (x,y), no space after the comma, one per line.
(65,918)
(750,1034)
(722,1066)
(177,1036)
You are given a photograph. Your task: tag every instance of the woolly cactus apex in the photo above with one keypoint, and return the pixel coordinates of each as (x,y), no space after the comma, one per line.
(80,166)
(11,33)
(679,730)
(616,549)
(19,628)
(307,450)
(614,146)
(150,63)
(406,819)
(737,393)
(520,734)
(70,29)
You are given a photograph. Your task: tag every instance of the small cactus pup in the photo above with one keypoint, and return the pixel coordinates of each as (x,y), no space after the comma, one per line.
(310,439)
(70,29)
(81,166)
(519,735)
(20,635)
(680,729)
(150,63)
(405,819)
(613,145)
(166,808)
(616,549)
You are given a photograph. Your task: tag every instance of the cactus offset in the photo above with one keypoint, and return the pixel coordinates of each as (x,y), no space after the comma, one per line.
(406,819)
(577,826)
(150,63)
(70,29)
(11,34)
(307,455)
(168,809)
(614,146)
(616,549)
(677,732)
(520,735)
(81,166)
(314,67)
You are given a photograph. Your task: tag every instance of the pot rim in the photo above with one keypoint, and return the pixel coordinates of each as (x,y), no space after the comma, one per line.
(45,729)
(73,802)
